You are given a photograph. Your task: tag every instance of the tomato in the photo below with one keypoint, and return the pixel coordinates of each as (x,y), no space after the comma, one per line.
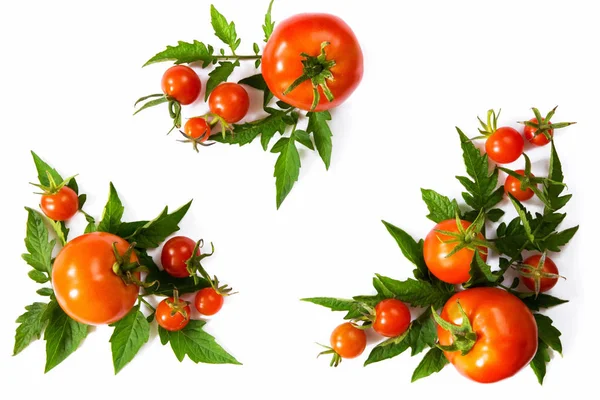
(182,84)
(173,314)
(534,136)
(348,341)
(174,255)
(208,301)
(545,275)
(84,283)
(513,186)
(60,206)
(505,145)
(507,336)
(283,60)
(455,268)
(392,318)
(229,101)
(197,128)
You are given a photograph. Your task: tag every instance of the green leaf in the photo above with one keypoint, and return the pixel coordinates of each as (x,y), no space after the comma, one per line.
(37,244)
(495,214)
(152,103)
(61,230)
(423,333)
(303,138)
(38,276)
(126,229)
(381,289)
(43,169)
(63,335)
(334,304)
(153,233)
(31,324)
(258,82)
(548,333)
(481,273)
(287,169)
(130,334)
(412,250)
(433,362)
(198,345)
(45,291)
(538,364)
(185,53)
(112,214)
(525,217)
(541,301)
(219,75)
(389,349)
(269,25)
(440,207)
(416,293)
(558,239)
(223,29)
(317,125)
(167,283)
(552,190)
(246,133)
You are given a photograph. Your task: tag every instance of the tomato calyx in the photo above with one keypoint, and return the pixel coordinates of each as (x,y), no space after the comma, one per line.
(467,238)
(542,125)
(536,273)
(126,269)
(463,336)
(178,306)
(52,187)
(490,126)
(318,71)
(194,267)
(336,359)
(160,98)
(195,141)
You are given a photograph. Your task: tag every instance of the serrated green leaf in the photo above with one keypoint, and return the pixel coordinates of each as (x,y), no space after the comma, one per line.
(287,169)
(153,233)
(38,276)
(60,229)
(168,283)
(31,324)
(558,239)
(126,229)
(416,293)
(219,75)
(246,133)
(548,333)
(43,169)
(440,207)
(381,289)
(495,214)
(129,335)
(45,292)
(334,304)
(112,214)
(303,138)
(541,301)
(552,187)
(525,217)
(223,29)
(269,25)
(538,364)
(412,250)
(258,82)
(198,345)
(481,273)
(433,361)
(423,333)
(185,53)
(318,126)
(63,335)
(389,349)
(37,244)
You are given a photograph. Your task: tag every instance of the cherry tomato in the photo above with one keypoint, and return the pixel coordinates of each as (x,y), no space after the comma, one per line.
(513,186)
(392,318)
(85,285)
(182,84)
(60,206)
(547,276)
(305,33)
(208,301)
(453,269)
(505,145)
(197,128)
(174,255)
(229,101)
(348,341)
(173,315)
(532,135)
(507,336)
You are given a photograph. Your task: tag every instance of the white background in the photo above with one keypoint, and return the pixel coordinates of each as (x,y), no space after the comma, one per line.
(70,73)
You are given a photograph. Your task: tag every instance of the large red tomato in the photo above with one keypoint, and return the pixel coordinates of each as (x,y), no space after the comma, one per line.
(506,334)
(293,50)
(84,283)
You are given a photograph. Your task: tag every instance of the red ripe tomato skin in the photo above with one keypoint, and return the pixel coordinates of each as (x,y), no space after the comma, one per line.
(507,336)
(230,101)
(392,318)
(60,206)
(348,341)
(170,322)
(175,252)
(182,84)
(85,285)
(197,128)
(208,301)
(505,145)
(536,140)
(282,62)
(513,186)
(545,283)
(453,269)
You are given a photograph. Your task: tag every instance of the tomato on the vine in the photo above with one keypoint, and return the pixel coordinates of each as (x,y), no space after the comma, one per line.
(513,186)
(229,101)
(85,284)
(539,275)
(505,145)
(392,318)
(536,137)
(182,84)
(208,301)
(312,61)
(175,252)
(60,206)
(502,339)
(348,341)
(173,314)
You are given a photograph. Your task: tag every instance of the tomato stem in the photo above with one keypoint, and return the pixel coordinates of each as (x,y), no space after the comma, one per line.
(141,299)
(463,336)
(228,57)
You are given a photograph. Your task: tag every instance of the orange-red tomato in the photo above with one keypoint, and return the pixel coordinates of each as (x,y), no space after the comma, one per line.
(536,138)
(513,186)
(208,301)
(170,317)
(507,336)
(392,318)
(549,267)
(197,128)
(505,145)
(182,84)
(60,206)
(229,101)
(174,255)
(85,285)
(348,341)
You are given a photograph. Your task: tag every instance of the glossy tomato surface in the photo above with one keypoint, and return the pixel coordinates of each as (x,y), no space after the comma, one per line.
(392,318)
(197,128)
(208,301)
(229,101)
(348,341)
(60,206)
(505,145)
(182,84)
(172,318)
(175,252)
(513,186)
(534,136)
(549,267)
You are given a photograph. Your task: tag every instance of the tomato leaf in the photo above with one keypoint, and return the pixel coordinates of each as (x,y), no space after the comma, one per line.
(223,29)
(37,244)
(60,228)
(548,333)
(481,189)
(38,276)
(112,214)
(542,300)
(31,324)
(246,133)
(63,335)
(198,345)
(412,250)
(423,333)
(318,126)
(218,76)
(481,273)
(525,217)
(334,304)
(538,364)
(43,169)
(416,293)
(45,291)
(433,361)
(185,53)
(153,233)
(553,185)
(495,214)
(127,229)
(287,167)
(303,138)
(129,335)
(558,239)
(258,82)
(269,25)
(389,348)
(440,207)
